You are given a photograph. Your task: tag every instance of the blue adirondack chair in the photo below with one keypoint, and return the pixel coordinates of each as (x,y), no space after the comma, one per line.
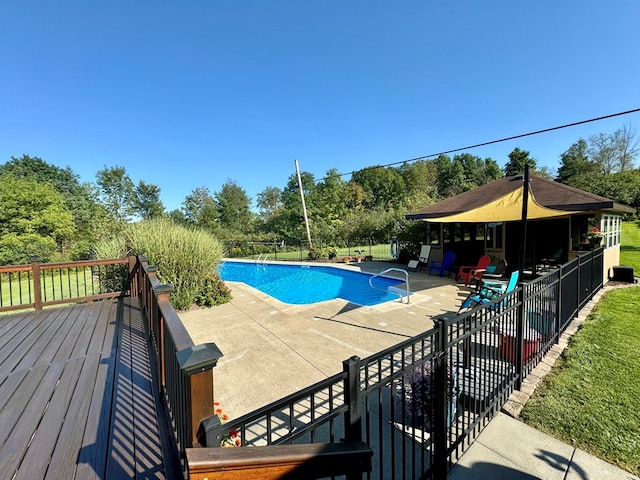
(489,291)
(443,265)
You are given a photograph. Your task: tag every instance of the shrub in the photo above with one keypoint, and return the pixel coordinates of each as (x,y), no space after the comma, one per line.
(329,252)
(214,292)
(419,392)
(186,257)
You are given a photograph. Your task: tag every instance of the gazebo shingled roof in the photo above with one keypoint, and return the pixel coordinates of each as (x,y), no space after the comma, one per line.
(547,193)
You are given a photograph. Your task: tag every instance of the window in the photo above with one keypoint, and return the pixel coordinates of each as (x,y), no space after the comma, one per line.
(434,234)
(611,226)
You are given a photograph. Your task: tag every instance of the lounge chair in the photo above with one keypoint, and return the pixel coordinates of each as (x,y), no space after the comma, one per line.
(425,250)
(473,272)
(443,265)
(489,291)
(497,271)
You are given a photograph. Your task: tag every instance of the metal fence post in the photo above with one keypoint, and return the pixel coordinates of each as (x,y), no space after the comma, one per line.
(353,415)
(558,318)
(520,316)
(440,394)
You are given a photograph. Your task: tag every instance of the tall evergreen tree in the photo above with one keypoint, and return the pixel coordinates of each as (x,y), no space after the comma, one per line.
(517,161)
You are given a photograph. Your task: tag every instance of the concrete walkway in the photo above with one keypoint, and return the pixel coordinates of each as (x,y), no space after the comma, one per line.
(272,349)
(507,449)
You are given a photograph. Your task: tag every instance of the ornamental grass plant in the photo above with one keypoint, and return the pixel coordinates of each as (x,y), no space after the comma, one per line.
(186,257)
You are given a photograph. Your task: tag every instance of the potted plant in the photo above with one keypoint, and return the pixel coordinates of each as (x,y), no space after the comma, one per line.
(595,236)
(418,393)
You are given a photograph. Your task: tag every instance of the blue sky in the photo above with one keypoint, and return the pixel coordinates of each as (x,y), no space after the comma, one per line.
(190,94)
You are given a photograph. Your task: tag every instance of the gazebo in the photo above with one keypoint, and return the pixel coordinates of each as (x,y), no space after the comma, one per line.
(487,220)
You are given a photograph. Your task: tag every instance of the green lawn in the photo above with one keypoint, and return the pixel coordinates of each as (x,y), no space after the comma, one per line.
(591,398)
(630,247)
(378,251)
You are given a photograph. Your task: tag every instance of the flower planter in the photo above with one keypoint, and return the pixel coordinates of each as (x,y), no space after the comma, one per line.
(507,344)
(418,395)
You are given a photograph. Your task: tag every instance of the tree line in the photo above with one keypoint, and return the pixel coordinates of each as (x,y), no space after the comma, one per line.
(46,212)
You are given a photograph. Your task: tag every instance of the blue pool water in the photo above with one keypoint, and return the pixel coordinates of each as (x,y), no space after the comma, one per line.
(304,284)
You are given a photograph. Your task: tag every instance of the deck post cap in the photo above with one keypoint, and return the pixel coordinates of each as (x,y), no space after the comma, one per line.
(163,288)
(198,358)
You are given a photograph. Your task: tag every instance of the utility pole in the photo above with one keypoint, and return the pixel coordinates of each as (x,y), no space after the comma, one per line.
(304,206)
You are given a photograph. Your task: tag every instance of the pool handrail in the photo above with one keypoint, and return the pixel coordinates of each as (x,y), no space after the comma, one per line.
(406,275)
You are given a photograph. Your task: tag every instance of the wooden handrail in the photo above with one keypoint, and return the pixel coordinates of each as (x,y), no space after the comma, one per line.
(184,376)
(37,282)
(308,461)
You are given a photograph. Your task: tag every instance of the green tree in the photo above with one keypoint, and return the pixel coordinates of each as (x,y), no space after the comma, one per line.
(117,193)
(88,215)
(517,161)
(614,152)
(200,209)
(290,222)
(178,217)
(147,200)
(382,186)
(575,162)
(234,208)
(450,176)
(34,220)
(330,201)
(491,171)
(269,202)
(621,187)
(421,182)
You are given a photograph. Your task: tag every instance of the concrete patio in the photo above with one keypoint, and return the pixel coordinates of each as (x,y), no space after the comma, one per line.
(272,349)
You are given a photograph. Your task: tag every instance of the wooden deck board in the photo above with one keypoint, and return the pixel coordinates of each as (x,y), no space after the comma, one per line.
(33,408)
(65,458)
(76,395)
(13,346)
(46,433)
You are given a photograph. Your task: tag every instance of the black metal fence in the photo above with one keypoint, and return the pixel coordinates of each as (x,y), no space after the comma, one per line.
(299,250)
(420,404)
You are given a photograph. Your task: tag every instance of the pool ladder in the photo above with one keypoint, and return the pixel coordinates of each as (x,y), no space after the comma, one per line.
(262,260)
(393,289)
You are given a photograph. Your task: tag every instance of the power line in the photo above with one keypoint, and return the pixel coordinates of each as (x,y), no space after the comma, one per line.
(537,132)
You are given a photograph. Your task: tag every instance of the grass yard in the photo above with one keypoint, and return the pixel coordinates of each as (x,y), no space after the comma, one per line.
(630,247)
(378,251)
(591,398)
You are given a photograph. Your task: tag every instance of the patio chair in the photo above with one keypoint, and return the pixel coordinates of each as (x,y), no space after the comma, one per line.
(443,265)
(490,291)
(473,272)
(496,271)
(425,250)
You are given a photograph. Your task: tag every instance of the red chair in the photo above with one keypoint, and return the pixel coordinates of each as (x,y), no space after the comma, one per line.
(473,272)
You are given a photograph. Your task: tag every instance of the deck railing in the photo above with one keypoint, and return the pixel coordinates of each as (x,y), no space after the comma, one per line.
(420,404)
(182,370)
(37,285)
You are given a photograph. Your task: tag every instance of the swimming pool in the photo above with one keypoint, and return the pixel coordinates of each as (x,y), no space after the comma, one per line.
(305,284)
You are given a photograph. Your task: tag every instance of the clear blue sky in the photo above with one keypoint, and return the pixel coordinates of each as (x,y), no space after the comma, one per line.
(189,94)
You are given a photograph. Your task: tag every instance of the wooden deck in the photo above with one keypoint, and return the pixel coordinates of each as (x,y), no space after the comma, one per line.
(76,399)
